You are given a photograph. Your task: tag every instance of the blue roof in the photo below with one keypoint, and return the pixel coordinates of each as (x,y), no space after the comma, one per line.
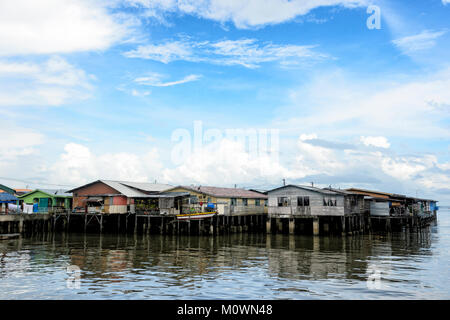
(6,197)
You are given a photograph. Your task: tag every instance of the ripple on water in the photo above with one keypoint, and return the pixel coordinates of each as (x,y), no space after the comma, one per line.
(230,267)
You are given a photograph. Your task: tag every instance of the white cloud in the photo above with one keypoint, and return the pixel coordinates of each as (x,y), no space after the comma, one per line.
(406,168)
(343,106)
(245,52)
(137,93)
(79,165)
(306,137)
(154,80)
(232,164)
(244,14)
(380,142)
(418,42)
(445,2)
(54,26)
(166,52)
(19,145)
(52,82)
(225,162)
(249,53)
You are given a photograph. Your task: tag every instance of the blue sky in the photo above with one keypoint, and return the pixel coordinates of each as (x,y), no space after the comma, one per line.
(96,89)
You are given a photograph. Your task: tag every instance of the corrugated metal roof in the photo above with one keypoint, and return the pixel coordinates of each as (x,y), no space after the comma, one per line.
(342,191)
(314,189)
(51,192)
(57,192)
(131,189)
(149,187)
(123,189)
(219,192)
(4,196)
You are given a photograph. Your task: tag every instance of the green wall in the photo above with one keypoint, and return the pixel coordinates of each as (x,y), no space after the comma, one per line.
(28,198)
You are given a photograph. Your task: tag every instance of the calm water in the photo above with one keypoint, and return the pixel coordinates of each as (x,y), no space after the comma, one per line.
(413,266)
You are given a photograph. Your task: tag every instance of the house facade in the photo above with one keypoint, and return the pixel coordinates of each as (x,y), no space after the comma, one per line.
(6,201)
(226,201)
(292,200)
(117,197)
(389,204)
(47,200)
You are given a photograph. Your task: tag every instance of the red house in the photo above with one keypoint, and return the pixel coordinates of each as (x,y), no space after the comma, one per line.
(113,197)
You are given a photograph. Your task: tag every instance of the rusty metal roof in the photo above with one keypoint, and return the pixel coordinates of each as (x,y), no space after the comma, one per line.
(220,192)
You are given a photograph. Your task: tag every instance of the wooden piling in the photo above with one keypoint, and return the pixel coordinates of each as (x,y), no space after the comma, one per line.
(291,226)
(316,226)
(343,225)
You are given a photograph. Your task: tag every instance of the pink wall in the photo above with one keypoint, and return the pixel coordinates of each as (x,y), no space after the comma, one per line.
(120,200)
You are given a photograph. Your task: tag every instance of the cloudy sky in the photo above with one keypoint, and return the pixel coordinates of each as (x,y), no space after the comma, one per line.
(99,89)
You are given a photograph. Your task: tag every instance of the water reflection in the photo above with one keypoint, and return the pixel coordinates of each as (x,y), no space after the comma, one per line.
(240,266)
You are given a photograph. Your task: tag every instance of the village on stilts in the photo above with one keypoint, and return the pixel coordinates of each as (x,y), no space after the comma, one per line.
(153,208)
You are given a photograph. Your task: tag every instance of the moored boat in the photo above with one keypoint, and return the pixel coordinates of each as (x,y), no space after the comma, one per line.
(9,236)
(196,215)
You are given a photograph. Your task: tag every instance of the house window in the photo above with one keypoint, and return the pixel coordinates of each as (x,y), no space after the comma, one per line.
(233,201)
(266,202)
(257,202)
(245,202)
(283,201)
(329,202)
(303,201)
(193,200)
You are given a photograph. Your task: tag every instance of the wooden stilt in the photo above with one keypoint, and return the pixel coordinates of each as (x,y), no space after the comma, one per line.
(291,226)
(343,225)
(316,226)
(269,225)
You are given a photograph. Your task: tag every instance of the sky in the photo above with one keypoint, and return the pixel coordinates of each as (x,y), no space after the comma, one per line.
(347,93)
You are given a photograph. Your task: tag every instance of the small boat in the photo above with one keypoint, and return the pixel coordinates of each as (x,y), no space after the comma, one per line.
(9,236)
(196,215)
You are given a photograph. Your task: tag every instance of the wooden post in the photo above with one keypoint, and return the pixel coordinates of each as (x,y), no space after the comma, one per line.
(135,223)
(217,225)
(326,227)
(101,222)
(162,226)
(118,222)
(279,223)
(149,225)
(291,226)
(343,225)
(269,225)
(316,226)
